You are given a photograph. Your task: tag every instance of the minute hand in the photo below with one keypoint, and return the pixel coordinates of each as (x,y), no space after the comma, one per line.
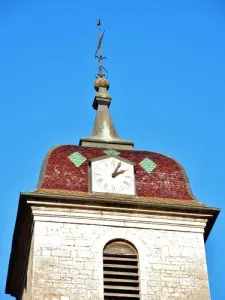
(116,169)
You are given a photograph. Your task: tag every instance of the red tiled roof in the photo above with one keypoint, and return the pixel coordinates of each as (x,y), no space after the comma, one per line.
(168,180)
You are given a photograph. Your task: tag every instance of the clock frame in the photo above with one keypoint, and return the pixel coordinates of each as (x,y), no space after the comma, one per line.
(90,177)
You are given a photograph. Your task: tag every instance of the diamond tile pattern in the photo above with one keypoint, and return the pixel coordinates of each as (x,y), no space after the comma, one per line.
(156,175)
(148,165)
(111,152)
(77,159)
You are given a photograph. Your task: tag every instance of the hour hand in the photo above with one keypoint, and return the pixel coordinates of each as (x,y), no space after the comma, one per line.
(120,172)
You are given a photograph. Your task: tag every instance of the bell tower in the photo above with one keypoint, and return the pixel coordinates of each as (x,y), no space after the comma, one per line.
(107,222)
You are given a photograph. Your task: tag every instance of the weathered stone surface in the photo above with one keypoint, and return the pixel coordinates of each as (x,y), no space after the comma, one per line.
(65,261)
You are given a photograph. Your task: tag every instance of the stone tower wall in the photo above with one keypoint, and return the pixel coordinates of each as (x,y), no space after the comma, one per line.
(28,279)
(68,246)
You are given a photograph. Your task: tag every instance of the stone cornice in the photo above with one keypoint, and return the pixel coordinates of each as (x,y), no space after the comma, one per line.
(159,221)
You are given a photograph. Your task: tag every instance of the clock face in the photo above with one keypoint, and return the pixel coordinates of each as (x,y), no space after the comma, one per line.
(112,175)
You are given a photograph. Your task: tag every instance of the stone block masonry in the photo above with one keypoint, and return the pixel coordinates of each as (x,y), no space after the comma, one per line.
(67,254)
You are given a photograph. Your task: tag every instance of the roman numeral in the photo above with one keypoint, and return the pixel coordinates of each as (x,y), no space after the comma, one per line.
(113,189)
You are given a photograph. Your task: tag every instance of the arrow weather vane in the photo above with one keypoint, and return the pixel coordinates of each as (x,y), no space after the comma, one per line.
(98,52)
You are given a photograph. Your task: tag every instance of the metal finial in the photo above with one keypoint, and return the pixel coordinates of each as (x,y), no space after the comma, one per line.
(98,22)
(98,52)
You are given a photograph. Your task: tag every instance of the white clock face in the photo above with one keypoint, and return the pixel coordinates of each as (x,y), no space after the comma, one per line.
(112,175)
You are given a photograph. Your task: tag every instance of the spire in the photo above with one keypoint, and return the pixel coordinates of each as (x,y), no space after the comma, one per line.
(104,134)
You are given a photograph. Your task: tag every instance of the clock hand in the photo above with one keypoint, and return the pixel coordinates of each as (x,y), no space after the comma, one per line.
(116,169)
(118,173)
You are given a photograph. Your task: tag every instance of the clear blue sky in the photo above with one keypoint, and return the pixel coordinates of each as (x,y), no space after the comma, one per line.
(166,63)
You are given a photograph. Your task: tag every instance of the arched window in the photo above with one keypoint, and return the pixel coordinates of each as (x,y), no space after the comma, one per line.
(121,279)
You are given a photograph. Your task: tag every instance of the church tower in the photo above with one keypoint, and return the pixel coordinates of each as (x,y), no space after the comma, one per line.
(108,222)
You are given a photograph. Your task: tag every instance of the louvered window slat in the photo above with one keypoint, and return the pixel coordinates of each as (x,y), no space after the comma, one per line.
(121,278)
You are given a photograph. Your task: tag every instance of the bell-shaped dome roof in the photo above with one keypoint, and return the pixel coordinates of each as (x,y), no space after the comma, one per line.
(65,171)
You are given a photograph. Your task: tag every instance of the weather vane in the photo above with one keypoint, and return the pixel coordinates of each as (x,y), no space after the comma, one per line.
(98,52)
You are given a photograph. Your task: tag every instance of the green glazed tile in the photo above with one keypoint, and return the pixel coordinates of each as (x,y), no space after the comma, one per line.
(111,152)
(148,165)
(77,159)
